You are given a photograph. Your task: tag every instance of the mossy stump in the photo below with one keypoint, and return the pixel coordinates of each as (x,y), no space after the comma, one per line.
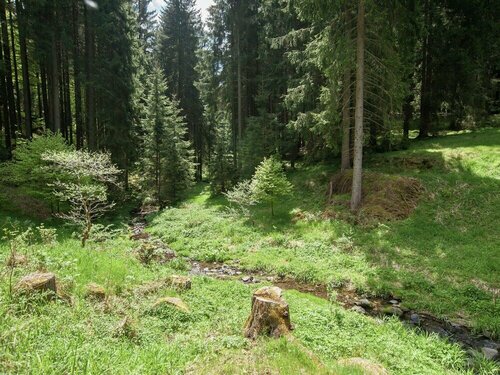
(95,291)
(37,283)
(16,260)
(179,282)
(270,315)
(171,301)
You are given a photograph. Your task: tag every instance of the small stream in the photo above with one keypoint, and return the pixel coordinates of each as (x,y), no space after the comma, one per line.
(347,296)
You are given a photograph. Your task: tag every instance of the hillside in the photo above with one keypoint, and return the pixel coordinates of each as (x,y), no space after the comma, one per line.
(441,264)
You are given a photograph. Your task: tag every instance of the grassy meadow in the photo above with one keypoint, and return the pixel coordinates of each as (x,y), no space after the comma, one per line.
(443,259)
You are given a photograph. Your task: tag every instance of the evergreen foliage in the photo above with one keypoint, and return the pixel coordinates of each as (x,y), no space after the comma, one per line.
(222,169)
(269,182)
(27,171)
(168,159)
(178,41)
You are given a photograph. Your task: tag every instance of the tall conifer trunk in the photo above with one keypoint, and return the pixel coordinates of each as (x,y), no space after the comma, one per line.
(425,94)
(357,175)
(89,89)
(4,106)
(45,94)
(8,69)
(346,121)
(346,104)
(21,22)
(16,75)
(55,105)
(76,76)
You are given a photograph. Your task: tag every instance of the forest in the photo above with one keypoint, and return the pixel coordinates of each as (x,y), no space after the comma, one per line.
(249,187)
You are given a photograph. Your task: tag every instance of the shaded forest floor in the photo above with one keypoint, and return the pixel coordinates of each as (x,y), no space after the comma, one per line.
(443,259)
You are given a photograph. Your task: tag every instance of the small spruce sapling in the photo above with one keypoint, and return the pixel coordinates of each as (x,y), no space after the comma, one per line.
(87,189)
(269,182)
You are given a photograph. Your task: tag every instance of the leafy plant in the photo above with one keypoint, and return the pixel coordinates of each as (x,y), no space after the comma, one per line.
(26,170)
(242,196)
(86,192)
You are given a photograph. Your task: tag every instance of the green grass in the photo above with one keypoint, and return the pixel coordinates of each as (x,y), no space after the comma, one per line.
(56,337)
(443,258)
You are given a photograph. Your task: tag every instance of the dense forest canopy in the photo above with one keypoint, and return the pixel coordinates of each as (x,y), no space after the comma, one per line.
(306,80)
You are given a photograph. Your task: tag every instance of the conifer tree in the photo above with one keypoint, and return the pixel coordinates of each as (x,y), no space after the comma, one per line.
(168,158)
(222,171)
(269,182)
(178,41)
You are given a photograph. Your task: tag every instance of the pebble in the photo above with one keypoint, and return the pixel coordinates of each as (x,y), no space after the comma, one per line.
(415,319)
(358,309)
(246,279)
(393,301)
(489,353)
(364,302)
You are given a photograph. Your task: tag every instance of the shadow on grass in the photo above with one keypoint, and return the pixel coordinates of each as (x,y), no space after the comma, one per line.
(445,257)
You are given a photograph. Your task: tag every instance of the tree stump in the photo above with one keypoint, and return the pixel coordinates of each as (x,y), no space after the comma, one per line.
(270,315)
(95,291)
(16,260)
(179,282)
(37,282)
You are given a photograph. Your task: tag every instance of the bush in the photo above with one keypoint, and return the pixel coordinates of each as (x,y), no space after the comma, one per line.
(86,190)
(242,196)
(27,168)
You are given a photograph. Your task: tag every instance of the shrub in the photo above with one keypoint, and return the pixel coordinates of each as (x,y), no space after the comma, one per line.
(242,196)
(86,191)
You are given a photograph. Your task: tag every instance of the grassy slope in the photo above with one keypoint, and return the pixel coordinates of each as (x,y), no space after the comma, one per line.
(444,258)
(59,338)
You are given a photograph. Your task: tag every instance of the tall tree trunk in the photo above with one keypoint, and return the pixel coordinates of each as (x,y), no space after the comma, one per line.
(67,99)
(346,103)
(76,76)
(8,69)
(425,94)
(234,95)
(21,22)
(4,106)
(55,105)
(240,86)
(346,121)
(89,89)
(39,94)
(357,175)
(62,94)
(16,75)
(45,95)
(407,115)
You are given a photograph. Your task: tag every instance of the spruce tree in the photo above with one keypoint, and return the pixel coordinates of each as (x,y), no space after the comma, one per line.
(168,158)
(269,182)
(222,171)
(178,41)
(180,158)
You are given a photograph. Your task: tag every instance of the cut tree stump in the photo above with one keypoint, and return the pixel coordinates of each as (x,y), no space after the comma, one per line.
(16,260)
(270,315)
(95,291)
(179,282)
(37,282)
